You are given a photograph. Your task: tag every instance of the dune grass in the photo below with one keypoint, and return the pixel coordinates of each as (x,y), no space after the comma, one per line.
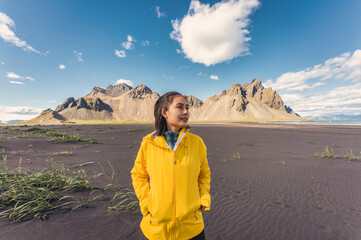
(329,153)
(133,130)
(51,133)
(20,152)
(236,155)
(26,194)
(58,137)
(123,198)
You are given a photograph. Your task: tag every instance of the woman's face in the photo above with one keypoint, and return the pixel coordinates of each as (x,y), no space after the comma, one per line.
(177,114)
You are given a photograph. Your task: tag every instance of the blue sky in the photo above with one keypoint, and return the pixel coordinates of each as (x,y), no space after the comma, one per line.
(309,51)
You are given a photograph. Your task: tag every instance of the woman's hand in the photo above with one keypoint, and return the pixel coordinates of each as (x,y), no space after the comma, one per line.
(201,208)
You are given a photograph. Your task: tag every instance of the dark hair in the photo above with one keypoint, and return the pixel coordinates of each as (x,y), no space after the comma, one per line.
(163,102)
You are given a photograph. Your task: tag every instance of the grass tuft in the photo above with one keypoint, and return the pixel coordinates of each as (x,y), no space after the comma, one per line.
(236,155)
(330,154)
(58,137)
(24,194)
(350,156)
(326,154)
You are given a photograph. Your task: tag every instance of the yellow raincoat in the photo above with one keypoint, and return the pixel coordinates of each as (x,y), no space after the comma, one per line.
(179,183)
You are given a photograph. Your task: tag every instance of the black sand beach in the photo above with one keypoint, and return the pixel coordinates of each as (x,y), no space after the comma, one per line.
(265,182)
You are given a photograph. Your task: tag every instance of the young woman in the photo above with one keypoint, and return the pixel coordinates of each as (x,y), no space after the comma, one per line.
(171,176)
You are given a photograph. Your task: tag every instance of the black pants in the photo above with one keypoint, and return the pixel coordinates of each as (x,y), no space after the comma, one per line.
(199,236)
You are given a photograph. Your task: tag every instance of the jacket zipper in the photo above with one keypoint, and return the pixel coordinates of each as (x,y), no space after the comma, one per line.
(174,195)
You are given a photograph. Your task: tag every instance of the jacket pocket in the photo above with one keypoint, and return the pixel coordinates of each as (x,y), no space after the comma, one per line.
(144,207)
(161,211)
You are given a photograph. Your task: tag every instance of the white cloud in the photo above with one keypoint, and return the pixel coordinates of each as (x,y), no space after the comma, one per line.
(129,44)
(342,100)
(128,82)
(214,77)
(52,101)
(145,43)
(2,63)
(159,13)
(12,75)
(202,74)
(62,66)
(18,113)
(167,77)
(130,39)
(46,53)
(120,53)
(78,55)
(16,82)
(346,67)
(16,76)
(211,35)
(179,51)
(183,67)
(6,24)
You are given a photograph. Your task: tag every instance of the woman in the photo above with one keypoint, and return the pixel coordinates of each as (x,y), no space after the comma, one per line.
(175,162)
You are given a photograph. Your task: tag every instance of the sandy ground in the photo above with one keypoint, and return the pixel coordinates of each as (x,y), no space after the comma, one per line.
(266,183)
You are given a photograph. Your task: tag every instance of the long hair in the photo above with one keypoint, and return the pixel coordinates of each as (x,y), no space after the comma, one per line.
(163,102)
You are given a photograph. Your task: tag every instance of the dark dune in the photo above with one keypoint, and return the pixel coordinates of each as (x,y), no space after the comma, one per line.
(266,183)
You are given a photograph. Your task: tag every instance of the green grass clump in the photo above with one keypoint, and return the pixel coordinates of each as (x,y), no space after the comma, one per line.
(350,156)
(124,199)
(24,194)
(17,137)
(326,154)
(236,155)
(330,154)
(58,137)
(20,153)
(133,130)
(37,130)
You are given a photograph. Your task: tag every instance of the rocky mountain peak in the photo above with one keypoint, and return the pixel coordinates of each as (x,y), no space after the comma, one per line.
(253,87)
(193,101)
(117,90)
(235,89)
(95,104)
(65,104)
(140,91)
(96,91)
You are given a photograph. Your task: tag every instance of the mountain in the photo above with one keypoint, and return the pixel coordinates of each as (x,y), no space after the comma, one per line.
(250,101)
(47,116)
(122,102)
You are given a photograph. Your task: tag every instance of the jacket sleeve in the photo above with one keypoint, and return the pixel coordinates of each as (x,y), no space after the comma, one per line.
(140,179)
(204,179)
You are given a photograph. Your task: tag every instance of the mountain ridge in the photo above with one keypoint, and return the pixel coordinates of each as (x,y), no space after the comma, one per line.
(122,103)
